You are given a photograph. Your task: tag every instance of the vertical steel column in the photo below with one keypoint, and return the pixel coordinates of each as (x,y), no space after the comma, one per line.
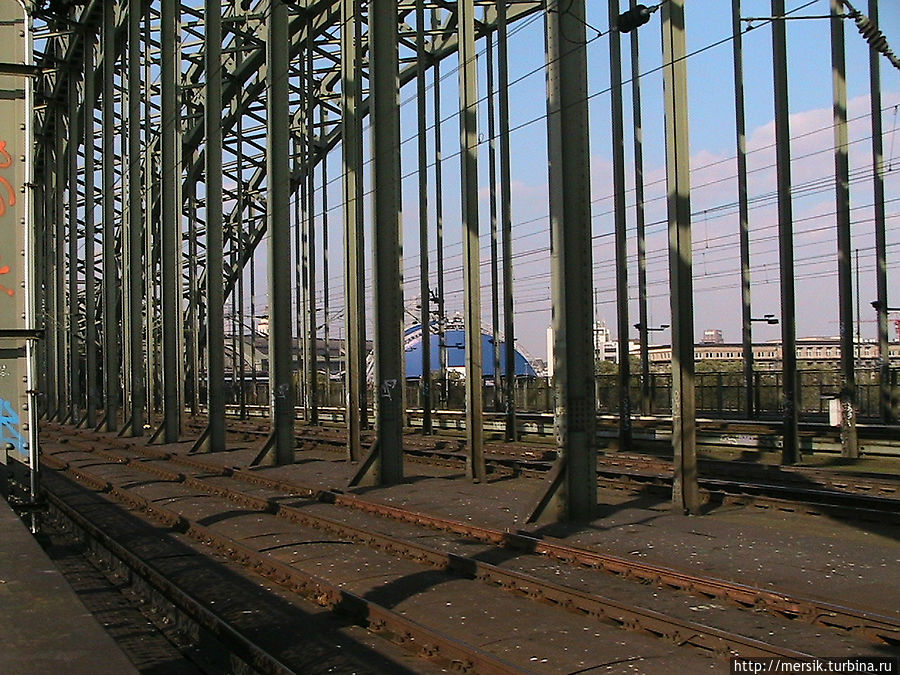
(278,177)
(743,207)
(849,446)
(326,329)
(387,281)
(151,229)
(49,256)
(62,355)
(215,262)
(571,260)
(90,301)
(509,338)
(111,348)
(134,242)
(172,315)
(312,367)
(621,233)
(72,266)
(685,495)
(643,317)
(192,327)
(468,122)
(424,291)
(354,259)
(439,222)
(790,450)
(495,269)
(887,405)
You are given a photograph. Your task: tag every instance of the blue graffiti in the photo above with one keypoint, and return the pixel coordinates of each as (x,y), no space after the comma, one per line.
(9,429)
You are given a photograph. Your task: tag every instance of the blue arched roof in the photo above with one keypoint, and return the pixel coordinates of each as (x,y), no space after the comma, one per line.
(454,341)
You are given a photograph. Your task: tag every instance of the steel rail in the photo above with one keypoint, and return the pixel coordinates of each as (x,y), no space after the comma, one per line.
(409,634)
(869,625)
(236,642)
(720,642)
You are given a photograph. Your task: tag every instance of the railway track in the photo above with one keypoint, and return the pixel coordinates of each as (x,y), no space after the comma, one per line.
(840,494)
(649,433)
(178,484)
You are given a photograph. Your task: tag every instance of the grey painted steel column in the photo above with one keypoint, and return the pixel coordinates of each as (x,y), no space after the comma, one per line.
(743,207)
(849,446)
(90,301)
(111,348)
(281,381)
(468,121)
(354,269)
(72,263)
(495,262)
(424,286)
(50,318)
(135,226)
(643,317)
(887,404)
(215,280)
(62,355)
(790,451)
(685,495)
(509,396)
(387,281)
(172,314)
(571,259)
(312,364)
(439,222)
(621,234)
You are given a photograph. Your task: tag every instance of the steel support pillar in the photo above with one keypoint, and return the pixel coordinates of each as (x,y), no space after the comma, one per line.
(312,364)
(886,398)
(91,369)
(743,206)
(509,337)
(62,354)
(384,466)
(790,451)
(134,226)
(278,218)
(111,343)
(172,314)
(72,313)
(468,121)
(439,223)
(849,445)
(685,494)
(621,234)
(495,234)
(50,314)
(215,236)
(354,260)
(640,224)
(422,170)
(572,487)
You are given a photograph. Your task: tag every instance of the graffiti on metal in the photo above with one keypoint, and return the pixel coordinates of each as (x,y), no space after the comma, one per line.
(10,438)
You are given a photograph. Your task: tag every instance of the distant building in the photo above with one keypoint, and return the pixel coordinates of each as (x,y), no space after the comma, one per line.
(817,351)
(712,336)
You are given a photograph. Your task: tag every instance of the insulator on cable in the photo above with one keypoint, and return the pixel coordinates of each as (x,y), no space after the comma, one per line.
(873,36)
(634,17)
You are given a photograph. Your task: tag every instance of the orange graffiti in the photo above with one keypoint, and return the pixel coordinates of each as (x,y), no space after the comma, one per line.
(8,161)
(4,289)
(10,192)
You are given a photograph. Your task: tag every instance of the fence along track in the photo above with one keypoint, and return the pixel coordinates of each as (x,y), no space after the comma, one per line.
(868,625)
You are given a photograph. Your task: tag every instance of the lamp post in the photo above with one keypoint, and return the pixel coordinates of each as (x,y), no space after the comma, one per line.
(748,365)
(887,404)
